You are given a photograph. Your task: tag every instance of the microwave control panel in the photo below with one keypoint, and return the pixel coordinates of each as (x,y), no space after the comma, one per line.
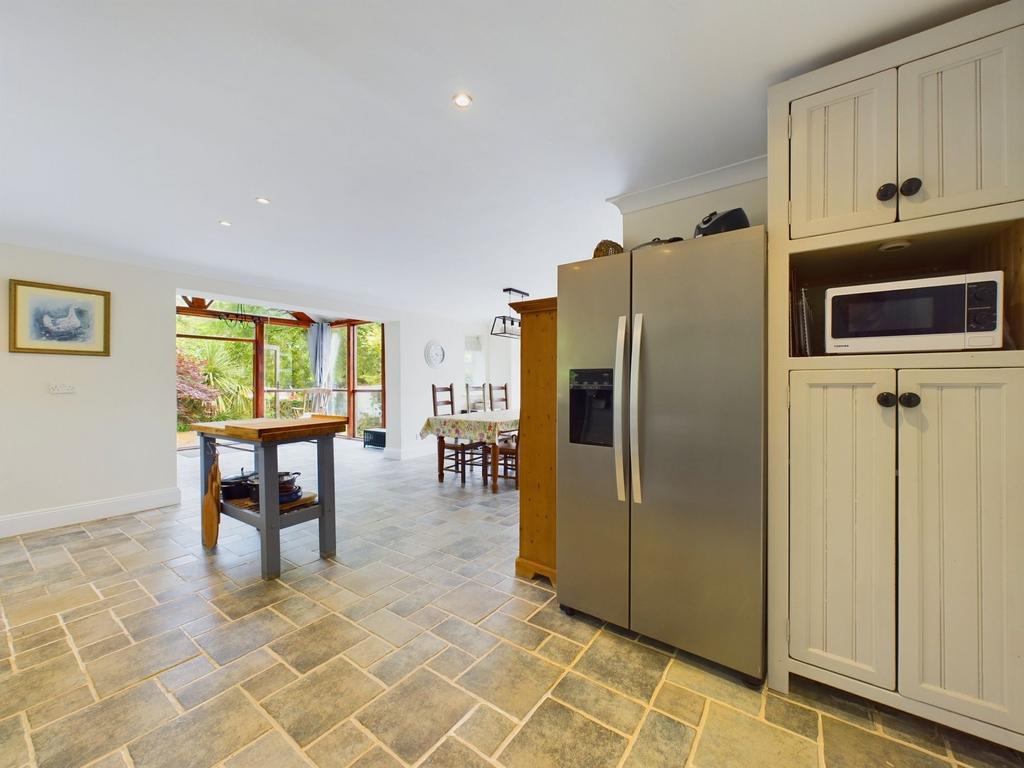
(982,298)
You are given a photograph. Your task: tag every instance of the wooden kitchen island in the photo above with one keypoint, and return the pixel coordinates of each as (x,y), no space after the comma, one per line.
(267,515)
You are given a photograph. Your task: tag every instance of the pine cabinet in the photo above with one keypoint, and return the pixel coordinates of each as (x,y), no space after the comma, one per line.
(844,149)
(955,441)
(961,535)
(936,135)
(843,523)
(538,409)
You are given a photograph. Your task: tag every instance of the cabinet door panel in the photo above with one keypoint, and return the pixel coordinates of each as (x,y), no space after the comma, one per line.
(961,123)
(843,523)
(961,534)
(843,149)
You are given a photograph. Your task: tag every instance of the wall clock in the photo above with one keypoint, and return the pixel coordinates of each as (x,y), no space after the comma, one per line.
(433,353)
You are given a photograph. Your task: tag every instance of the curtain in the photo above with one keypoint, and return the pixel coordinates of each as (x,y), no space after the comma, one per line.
(323,354)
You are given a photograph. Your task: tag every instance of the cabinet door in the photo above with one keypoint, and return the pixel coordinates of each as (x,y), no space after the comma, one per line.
(961,126)
(843,523)
(842,150)
(961,533)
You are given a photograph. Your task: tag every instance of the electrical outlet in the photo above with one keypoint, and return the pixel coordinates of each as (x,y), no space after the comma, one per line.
(62,389)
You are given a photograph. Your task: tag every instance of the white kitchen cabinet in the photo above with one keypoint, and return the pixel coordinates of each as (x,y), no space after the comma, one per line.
(843,150)
(961,535)
(945,130)
(961,118)
(954,650)
(843,523)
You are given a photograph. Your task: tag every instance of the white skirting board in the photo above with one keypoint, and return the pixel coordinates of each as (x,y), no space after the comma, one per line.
(41,519)
(428,447)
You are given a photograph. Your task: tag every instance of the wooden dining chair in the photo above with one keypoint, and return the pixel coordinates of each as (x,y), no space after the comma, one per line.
(443,399)
(453,454)
(508,458)
(316,400)
(476,397)
(499,397)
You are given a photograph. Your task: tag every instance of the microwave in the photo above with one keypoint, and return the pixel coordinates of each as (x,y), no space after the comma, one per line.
(931,313)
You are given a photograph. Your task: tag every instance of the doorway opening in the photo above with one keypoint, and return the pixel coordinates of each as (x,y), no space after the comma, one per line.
(239,361)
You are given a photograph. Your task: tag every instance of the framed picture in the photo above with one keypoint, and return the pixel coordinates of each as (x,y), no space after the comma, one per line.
(59,319)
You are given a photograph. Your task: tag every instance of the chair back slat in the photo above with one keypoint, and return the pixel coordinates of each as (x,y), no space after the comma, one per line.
(476,397)
(442,406)
(499,397)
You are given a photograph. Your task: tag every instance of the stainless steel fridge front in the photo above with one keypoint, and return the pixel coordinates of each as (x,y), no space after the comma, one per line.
(593,311)
(675,549)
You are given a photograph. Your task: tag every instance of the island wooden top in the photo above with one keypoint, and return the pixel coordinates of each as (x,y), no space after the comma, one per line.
(269,430)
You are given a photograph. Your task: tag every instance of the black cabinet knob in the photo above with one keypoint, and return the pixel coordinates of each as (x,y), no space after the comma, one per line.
(910,187)
(910,400)
(886,399)
(886,192)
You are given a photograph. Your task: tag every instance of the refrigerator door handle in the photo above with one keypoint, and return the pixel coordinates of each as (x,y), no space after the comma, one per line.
(617,447)
(634,409)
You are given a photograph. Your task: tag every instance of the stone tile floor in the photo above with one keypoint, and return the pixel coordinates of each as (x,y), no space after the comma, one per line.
(126,644)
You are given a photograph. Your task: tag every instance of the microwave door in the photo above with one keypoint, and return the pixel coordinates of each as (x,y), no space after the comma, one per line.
(897,319)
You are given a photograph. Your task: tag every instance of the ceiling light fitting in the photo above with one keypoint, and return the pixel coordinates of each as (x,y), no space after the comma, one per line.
(462,100)
(509,326)
(263,200)
(224,223)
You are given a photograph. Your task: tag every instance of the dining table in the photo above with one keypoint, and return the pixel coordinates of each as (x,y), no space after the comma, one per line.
(474,427)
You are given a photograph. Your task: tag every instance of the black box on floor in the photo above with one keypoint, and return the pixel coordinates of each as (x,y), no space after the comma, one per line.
(375,437)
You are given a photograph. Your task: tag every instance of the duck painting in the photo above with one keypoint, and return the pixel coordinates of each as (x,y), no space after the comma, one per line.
(63,325)
(62,322)
(59,319)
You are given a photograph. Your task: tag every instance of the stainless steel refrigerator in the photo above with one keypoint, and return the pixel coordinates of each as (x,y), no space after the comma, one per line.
(661,440)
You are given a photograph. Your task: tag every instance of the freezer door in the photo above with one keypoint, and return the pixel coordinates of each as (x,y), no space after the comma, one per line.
(698,514)
(593,513)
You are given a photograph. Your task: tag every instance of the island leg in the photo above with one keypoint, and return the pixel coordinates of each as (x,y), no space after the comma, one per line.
(270,532)
(209,507)
(326,494)
(207,455)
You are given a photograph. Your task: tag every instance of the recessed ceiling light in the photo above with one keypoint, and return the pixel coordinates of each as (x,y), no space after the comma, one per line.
(263,200)
(224,223)
(462,100)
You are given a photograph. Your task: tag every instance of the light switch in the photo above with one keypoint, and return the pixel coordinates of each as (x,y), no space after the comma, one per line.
(62,389)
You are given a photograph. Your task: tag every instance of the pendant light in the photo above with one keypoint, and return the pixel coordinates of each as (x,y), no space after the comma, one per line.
(508,326)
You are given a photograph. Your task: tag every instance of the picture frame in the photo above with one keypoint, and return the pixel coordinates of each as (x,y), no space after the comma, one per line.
(58,319)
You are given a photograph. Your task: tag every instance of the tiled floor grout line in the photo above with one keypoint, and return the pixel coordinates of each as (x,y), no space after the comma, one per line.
(23,717)
(450,733)
(698,732)
(819,743)
(638,728)
(78,658)
(274,725)
(166,692)
(374,741)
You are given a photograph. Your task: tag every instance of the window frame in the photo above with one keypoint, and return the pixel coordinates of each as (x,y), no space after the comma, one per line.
(198,307)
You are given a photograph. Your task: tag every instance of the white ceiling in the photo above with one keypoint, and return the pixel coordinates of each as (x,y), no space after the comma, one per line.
(130,127)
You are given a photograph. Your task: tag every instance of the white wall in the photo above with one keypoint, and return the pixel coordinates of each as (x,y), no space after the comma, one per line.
(679,217)
(503,364)
(109,447)
(405,342)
